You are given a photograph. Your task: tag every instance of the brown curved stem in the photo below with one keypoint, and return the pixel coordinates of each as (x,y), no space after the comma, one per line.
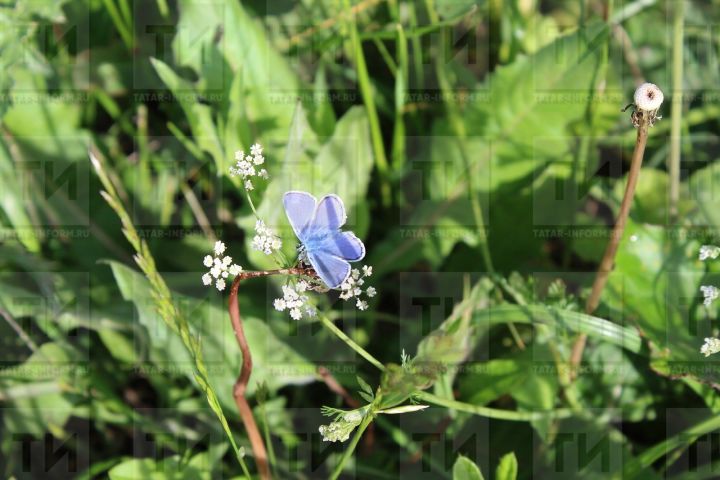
(608,260)
(256,440)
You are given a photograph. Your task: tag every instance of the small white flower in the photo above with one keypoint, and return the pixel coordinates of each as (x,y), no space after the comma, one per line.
(220,268)
(361,304)
(709,252)
(710,294)
(245,166)
(711,346)
(371,292)
(295,301)
(265,239)
(648,97)
(367,270)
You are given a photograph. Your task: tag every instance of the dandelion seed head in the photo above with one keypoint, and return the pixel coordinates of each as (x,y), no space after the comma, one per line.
(648,97)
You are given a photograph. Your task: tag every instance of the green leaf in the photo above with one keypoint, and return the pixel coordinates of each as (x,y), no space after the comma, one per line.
(40,391)
(562,321)
(218,344)
(507,469)
(465,469)
(367,397)
(364,385)
(655,284)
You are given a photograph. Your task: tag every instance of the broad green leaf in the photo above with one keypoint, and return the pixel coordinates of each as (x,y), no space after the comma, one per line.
(465,469)
(655,285)
(507,469)
(561,321)
(41,392)
(211,324)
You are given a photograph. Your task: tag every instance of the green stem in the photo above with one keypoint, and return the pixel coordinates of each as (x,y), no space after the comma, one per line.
(117,19)
(349,341)
(676,109)
(493,412)
(351,447)
(373,118)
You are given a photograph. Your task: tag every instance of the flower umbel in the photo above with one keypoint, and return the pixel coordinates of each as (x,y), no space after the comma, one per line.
(343,426)
(352,287)
(220,267)
(710,294)
(295,301)
(709,252)
(265,239)
(247,166)
(711,346)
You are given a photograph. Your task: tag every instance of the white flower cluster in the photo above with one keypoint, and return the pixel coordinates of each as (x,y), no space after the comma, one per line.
(220,268)
(265,239)
(709,252)
(246,165)
(351,288)
(295,301)
(710,294)
(712,345)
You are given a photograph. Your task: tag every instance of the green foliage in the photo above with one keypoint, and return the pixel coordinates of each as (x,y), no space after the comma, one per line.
(481,154)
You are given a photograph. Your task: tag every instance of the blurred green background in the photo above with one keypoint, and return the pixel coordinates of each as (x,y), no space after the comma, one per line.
(481,151)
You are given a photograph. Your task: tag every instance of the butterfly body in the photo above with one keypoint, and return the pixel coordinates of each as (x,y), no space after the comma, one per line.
(317,225)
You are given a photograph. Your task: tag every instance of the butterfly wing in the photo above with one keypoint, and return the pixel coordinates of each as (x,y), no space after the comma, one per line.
(300,210)
(330,213)
(344,245)
(331,269)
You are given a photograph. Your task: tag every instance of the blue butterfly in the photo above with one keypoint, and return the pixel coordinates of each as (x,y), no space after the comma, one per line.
(317,225)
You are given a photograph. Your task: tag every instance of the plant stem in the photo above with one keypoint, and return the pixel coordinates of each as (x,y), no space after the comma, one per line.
(608,260)
(351,447)
(351,343)
(373,119)
(256,441)
(676,109)
(493,412)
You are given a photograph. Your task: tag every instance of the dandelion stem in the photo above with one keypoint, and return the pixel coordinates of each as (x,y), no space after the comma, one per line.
(349,341)
(608,260)
(351,447)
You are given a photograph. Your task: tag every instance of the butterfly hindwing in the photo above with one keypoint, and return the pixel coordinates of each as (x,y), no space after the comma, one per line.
(331,269)
(344,245)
